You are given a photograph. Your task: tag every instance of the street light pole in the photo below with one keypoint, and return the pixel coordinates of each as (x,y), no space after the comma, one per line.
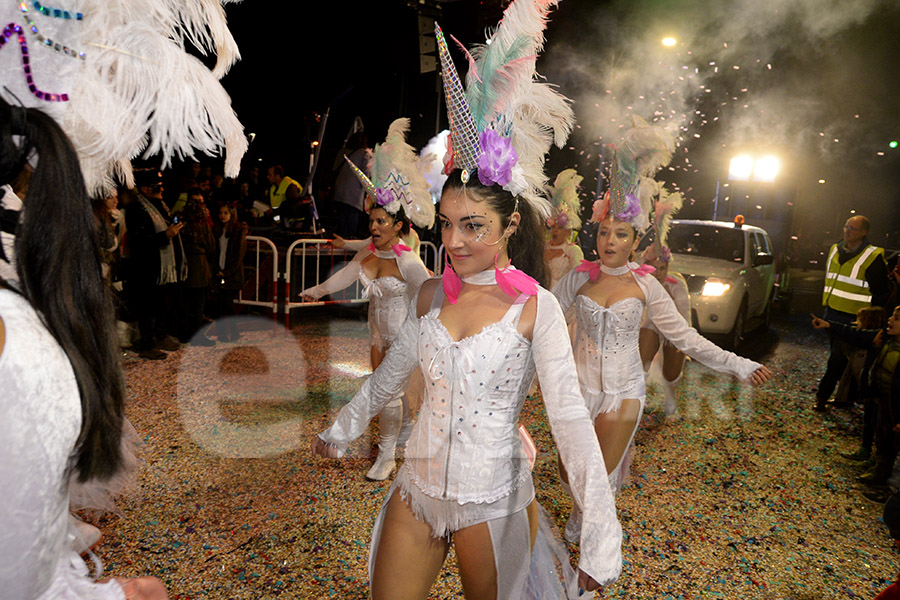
(716,201)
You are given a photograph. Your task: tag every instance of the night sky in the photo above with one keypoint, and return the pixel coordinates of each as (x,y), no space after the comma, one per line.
(812,81)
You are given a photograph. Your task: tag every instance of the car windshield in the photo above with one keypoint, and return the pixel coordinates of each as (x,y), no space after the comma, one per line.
(723,243)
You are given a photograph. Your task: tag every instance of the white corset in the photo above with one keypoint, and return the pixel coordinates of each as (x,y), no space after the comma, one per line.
(606,347)
(465,445)
(388,307)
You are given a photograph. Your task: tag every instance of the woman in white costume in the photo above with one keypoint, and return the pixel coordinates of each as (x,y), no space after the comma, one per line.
(611,295)
(651,342)
(61,409)
(657,255)
(478,335)
(390,270)
(562,253)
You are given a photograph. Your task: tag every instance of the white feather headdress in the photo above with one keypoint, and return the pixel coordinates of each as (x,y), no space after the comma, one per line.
(397,179)
(565,200)
(505,124)
(643,151)
(136,91)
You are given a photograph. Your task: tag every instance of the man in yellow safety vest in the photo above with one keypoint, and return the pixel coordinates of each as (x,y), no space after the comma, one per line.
(855,277)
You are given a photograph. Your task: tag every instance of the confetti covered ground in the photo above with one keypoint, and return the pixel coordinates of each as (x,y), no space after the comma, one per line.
(745,497)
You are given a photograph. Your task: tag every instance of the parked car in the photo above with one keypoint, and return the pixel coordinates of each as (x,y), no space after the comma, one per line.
(730,272)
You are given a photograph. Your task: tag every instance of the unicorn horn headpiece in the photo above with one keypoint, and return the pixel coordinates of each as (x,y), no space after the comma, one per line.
(643,151)
(397,180)
(503,123)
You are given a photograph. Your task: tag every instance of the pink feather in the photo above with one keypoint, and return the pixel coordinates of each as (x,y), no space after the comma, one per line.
(451,283)
(514,282)
(473,68)
(591,268)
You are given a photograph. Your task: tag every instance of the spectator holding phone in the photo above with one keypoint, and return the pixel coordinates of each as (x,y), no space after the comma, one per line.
(156,265)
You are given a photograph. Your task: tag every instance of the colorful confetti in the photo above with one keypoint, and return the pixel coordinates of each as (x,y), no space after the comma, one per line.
(745,497)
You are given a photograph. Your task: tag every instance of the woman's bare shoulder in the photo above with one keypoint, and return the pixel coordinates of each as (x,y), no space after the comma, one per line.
(426,295)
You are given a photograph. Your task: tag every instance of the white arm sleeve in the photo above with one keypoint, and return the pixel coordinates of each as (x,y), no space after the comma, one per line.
(566,289)
(573,432)
(414,272)
(665,316)
(388,381)
(343,278)
(357,245)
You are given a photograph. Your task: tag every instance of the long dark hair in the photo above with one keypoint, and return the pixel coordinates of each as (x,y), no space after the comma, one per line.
(400,217)
(526,245)
(58,263)
(232,228)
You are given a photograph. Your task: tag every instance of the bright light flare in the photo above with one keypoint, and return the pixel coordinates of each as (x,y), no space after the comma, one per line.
(669,42)
(766,169)
(740,168)
(745,168)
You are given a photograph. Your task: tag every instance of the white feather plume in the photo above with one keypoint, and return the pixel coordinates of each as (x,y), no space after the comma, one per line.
(395,160)
(138,91)
(503,93)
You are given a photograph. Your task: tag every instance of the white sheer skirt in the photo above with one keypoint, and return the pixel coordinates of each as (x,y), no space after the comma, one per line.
(541,572)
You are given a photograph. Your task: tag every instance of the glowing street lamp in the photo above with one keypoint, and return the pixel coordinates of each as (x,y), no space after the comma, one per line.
(669,42)
(746,167)
(766,169)
(740,168)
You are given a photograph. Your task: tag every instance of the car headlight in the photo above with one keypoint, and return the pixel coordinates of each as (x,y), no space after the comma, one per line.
(715,287)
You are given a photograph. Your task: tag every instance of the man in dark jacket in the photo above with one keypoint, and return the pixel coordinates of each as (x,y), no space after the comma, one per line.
(156,265)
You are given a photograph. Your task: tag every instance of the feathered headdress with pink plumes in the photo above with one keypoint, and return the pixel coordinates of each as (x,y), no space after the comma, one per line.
(643,151)
(565,201)
(664,210)
(118,78)
(503,123)
(397,179)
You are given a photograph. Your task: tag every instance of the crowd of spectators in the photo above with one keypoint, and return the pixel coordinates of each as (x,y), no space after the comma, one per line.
(864,360)
(175,256)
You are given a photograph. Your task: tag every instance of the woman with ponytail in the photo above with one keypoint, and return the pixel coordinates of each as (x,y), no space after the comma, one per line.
(61,410)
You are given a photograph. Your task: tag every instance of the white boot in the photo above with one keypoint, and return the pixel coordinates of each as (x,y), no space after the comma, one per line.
(670,389)
(573,525)
(389,421)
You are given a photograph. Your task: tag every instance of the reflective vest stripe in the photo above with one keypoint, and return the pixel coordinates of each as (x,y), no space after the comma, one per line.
(851,280)
(851,296)
(854,274)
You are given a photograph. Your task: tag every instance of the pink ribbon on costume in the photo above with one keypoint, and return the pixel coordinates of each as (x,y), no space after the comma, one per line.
(644,270)
(398,248)
(514,282)
(589,267)
(593,269)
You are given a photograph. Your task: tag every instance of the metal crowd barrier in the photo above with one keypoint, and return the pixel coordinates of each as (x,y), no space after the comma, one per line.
(262,249)
(307,262)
